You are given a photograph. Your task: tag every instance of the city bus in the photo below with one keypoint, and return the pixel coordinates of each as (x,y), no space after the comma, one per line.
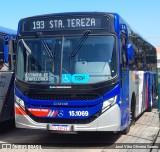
(62,85)
(7,63)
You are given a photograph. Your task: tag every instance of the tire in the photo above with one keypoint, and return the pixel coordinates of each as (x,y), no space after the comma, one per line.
(149,109)
(132,114)
(126,130)
(133,104)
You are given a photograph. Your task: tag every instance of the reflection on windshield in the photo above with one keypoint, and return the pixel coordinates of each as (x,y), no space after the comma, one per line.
(95,60)
(34,62)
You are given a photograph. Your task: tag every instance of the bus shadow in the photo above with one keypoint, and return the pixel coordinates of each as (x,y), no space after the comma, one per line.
(7,126)
(83,140)
(52,140)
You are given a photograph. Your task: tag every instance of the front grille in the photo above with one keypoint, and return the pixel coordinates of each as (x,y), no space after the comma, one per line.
(62,96)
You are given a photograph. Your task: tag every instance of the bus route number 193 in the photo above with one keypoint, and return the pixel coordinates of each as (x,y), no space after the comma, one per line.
(78,113)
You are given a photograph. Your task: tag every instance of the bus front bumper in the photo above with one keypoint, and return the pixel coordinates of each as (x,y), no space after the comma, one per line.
(110,120)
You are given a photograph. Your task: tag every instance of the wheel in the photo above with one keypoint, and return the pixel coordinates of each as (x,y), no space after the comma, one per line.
(133,103)
(126,130)
(149,109)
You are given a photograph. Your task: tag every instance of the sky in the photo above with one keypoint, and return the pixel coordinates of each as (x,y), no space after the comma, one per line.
(142,15)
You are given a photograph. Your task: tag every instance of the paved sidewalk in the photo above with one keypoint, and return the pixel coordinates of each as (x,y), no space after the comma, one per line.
(145,133)
(157,142)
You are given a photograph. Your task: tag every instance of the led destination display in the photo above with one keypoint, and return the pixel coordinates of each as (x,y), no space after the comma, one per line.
(64,23)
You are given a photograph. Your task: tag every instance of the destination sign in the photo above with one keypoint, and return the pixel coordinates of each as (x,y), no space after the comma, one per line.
(63,23)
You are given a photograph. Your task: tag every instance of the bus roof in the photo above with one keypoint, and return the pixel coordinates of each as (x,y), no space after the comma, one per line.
(87,13)
(7,31)
(70,13)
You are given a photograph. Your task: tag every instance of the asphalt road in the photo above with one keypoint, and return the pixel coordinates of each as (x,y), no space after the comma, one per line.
(62,142)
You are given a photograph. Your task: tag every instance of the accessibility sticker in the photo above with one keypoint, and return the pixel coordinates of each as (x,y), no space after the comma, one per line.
(75,78)
(80,78)
(66,78)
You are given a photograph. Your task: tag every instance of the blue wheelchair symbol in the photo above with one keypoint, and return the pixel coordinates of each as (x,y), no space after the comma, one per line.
(66,78)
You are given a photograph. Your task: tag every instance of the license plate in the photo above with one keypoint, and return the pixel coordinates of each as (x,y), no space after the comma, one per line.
(60,128)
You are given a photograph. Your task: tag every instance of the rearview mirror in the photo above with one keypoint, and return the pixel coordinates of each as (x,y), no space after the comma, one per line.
(130,51)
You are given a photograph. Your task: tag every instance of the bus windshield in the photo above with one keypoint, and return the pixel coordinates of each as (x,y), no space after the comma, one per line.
(65,60)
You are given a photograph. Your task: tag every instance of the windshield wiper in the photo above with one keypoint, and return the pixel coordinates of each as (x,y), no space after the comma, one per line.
(28,50)
(26,47)
(80,43)
(49,52)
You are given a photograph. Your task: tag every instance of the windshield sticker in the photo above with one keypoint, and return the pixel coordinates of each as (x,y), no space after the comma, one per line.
(34,76)
(60,87)
(75,78)
(66,78)
(80,78)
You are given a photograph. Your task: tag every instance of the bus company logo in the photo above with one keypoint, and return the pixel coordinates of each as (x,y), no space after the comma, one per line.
(60,103)
(54,113)
(60,113)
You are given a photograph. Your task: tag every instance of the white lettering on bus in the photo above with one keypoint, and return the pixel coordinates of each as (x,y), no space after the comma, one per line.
(73,22)
(83,22)
(38,25)
(56,24)
(78,22)
(91,22)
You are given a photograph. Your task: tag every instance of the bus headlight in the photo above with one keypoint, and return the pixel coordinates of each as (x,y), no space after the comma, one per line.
(108,103)
(20,102)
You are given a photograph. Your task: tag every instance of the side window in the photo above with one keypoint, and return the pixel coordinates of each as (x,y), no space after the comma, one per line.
(1,52)
(7,55)
(11,54)
(1,47)
(124,59)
